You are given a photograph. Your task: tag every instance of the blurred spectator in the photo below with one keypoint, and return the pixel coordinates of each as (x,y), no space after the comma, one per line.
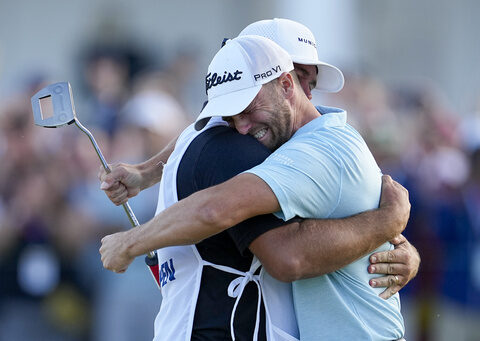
(39,281)
(177,76)
(108,72)
(458,226)
(469,129)
(155,111)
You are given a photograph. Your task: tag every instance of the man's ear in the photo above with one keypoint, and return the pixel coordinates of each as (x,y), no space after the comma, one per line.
(286,84)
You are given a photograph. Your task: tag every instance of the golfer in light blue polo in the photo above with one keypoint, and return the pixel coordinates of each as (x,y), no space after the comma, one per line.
(327,171)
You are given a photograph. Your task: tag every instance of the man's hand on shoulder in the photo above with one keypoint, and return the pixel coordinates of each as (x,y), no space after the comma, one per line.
(395,202)
(399,266)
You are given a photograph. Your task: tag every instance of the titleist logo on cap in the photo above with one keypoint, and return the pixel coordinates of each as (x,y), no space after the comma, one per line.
(214,80)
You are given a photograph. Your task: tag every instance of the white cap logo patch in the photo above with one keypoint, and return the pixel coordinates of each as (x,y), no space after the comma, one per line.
(300,43)
(237,73)
(268,73)
(214,80)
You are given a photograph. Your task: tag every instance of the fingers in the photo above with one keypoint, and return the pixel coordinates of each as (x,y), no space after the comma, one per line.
(394,199)
(399,266)
(109,257)
(389,292)
(397,255)
(101,173)
(400,239)
(118,194)
(116,174)
(388,184)
(386,281)
(398,269)
(386,178)
(404,191)
(392,283)
(111,184)
(116,271)
(392,187)
(403,254)
(383,257)
(108,180)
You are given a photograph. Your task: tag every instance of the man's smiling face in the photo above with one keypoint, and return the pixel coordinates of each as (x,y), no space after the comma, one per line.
(268,118)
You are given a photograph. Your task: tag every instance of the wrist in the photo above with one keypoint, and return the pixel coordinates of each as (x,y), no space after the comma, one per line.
(131,243)
(392,219)
(150,172)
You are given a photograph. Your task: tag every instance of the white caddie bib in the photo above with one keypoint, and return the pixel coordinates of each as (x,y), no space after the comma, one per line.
(181,269)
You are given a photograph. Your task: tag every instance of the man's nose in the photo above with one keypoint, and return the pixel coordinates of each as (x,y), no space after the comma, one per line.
(309,94)
(242,124)
(308,91)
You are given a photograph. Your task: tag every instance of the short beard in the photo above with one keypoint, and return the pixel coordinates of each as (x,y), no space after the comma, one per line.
(283,122)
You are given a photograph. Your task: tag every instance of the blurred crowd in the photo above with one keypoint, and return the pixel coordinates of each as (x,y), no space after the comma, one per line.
(53,214)
(419,138)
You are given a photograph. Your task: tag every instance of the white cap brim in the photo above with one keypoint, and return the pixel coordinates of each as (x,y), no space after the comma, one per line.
(230,104)
(329,77)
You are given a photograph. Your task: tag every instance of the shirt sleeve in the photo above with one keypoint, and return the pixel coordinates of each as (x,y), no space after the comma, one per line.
(306,178)
(225,155)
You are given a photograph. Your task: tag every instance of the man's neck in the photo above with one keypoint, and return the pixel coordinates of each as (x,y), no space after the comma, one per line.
(305,112)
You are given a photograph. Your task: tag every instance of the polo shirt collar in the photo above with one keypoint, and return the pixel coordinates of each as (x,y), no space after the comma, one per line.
(331,117)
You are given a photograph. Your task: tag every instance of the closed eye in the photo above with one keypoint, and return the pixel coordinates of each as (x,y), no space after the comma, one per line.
(229,120)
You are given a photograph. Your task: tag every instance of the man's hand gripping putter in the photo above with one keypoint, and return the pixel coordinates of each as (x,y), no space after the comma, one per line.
(53,108)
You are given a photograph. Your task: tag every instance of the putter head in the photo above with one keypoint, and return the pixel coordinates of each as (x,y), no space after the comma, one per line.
(53,106)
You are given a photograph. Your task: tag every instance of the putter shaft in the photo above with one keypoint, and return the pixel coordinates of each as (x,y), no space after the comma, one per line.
(126,206)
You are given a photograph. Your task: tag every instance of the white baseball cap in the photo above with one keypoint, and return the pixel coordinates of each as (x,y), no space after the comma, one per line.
(237,73)
(300,43)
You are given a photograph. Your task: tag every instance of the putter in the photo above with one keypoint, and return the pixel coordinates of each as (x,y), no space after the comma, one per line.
(53,108)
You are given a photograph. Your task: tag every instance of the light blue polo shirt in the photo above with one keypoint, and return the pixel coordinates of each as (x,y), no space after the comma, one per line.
(327,171)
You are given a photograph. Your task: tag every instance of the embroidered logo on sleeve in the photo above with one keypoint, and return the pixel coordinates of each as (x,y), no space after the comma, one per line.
(282,159)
